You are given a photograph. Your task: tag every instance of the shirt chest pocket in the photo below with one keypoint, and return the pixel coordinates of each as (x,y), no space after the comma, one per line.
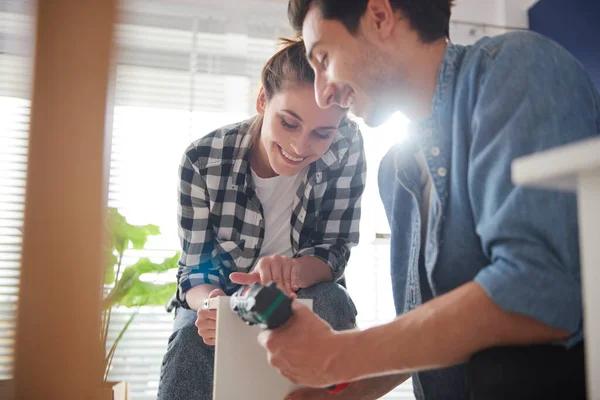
(239,234)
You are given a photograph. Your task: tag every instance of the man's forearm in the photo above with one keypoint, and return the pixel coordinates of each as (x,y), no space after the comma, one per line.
(443,332)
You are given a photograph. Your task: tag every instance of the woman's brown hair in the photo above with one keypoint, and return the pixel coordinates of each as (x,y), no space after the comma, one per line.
(287,65)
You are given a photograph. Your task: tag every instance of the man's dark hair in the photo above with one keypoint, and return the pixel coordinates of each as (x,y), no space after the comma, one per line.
(430,18)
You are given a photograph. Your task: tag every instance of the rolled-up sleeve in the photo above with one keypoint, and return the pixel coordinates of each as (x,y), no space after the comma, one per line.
(196,264)
(338,229)
(525,105)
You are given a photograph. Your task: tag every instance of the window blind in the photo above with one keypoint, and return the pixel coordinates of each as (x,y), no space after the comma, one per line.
(16,27)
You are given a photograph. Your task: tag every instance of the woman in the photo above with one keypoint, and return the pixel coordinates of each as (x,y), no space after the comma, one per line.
(274,198)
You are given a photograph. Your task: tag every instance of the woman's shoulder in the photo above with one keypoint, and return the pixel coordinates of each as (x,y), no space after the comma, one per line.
(349,129)
(222,145)
(348,137)
(346,148)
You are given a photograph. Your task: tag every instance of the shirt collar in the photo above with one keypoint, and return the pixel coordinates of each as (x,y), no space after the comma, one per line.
(446,75)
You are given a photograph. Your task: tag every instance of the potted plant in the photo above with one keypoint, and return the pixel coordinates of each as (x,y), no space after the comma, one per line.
(124,286)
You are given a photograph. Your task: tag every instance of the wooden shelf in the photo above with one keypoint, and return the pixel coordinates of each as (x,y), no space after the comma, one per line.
(557,168)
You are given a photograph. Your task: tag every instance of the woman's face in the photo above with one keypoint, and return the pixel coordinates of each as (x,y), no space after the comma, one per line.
(295,131)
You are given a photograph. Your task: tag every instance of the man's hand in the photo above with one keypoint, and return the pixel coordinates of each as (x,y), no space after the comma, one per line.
(279,269)
(311,394)
(206,320)
(366,389)
(305,348)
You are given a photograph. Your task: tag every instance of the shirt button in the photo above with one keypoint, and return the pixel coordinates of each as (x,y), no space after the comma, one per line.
(442,172)
(435,151)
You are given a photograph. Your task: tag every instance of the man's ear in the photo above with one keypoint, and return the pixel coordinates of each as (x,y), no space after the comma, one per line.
(381,17)
(261,101)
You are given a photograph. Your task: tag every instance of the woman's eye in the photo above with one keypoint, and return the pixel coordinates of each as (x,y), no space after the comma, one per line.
(288,125)
(323,136)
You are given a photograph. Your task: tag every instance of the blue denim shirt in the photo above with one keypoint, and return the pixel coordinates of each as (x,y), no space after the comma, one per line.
(500,99)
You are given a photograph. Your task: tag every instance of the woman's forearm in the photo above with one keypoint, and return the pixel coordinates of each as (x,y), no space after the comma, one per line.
(195,296)
(313,270)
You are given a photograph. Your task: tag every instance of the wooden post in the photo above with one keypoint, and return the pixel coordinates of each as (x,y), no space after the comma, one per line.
(58,351)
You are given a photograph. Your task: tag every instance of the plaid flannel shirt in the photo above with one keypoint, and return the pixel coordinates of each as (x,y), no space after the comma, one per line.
(221,224)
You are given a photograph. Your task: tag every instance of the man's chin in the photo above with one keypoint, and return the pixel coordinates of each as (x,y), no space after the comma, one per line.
(375,119)
(372,116)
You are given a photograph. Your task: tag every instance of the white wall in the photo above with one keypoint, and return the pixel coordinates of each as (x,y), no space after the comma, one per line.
(483,13)
(515,12)
(499,13)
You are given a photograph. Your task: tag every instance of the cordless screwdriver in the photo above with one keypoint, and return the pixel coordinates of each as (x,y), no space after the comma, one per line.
(268,307)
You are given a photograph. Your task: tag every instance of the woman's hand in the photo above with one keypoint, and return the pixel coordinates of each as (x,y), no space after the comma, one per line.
(206,320)
(279,269)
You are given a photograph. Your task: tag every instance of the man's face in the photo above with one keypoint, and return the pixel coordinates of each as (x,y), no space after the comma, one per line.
(350,70)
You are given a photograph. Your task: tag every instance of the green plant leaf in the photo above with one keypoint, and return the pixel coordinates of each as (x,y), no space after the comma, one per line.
(116,226)
(128,289)
(148,294)
(109,357)
(131,291)
(138,235)
(123,233)
(110,273)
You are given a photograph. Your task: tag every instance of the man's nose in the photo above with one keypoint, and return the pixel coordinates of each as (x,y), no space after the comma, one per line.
(324,91)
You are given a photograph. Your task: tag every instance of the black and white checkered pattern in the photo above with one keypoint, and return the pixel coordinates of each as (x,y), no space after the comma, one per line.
(221,219)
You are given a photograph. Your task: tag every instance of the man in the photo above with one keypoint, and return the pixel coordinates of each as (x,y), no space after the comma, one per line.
(486,275)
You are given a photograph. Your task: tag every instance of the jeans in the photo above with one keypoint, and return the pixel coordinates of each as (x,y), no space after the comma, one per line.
(187,368)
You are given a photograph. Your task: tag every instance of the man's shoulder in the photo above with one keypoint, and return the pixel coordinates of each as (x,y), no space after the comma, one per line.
(511,42)
(222,145)
(521,52)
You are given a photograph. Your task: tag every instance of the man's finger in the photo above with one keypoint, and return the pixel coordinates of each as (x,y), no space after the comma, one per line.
(299,308)
(299,394)
(242,278)
(308,393)
(304,312)
(263,337)
(289,376)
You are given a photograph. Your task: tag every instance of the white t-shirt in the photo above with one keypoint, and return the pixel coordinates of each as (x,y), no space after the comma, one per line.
(277,196)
